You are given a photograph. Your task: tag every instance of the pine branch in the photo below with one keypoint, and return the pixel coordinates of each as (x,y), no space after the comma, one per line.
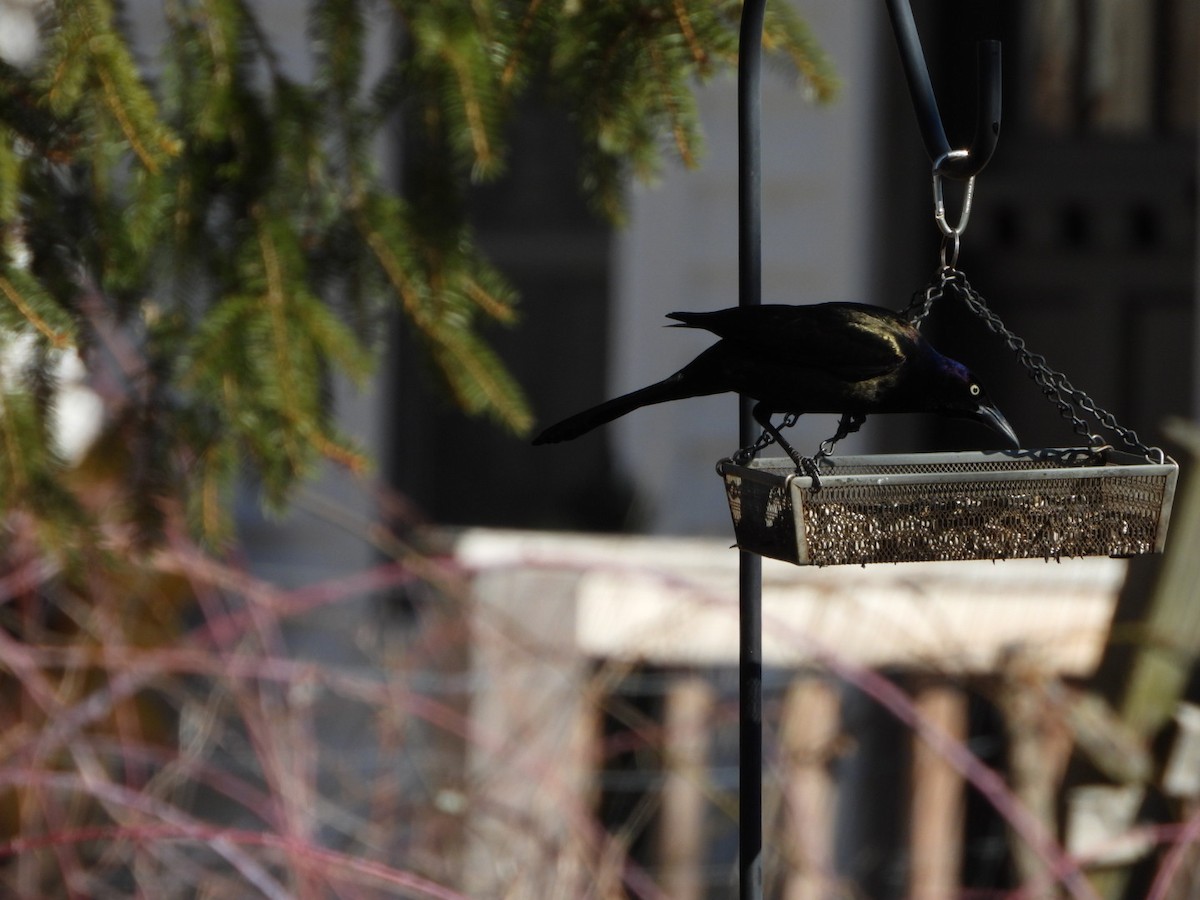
(478,379)
(34,308)
(785,32)
(452,61)
(92,58)
(235,222)
(440,301)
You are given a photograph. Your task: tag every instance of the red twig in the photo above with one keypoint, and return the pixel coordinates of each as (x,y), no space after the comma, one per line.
(316,854)
(1173,861)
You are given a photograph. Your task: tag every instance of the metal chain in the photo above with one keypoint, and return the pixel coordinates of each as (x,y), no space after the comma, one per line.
(922,301)
(1055,386)
(743,456)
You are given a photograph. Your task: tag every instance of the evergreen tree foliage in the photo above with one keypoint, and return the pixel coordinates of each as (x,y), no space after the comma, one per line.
(213,235)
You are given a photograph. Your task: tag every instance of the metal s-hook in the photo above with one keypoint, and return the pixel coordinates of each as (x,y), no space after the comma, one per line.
(960,164)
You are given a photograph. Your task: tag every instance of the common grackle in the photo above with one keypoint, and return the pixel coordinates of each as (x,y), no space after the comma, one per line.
(846,358)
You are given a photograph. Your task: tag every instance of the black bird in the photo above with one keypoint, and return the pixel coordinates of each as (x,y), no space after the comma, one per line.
(846,358)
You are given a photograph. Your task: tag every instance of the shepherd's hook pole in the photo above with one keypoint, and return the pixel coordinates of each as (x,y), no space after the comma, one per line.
(966,162)
(750,764)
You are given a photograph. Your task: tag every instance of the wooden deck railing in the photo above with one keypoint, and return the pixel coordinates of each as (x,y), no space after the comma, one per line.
(603,695)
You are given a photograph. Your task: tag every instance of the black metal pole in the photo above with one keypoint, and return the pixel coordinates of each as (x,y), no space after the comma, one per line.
(920,88)
(750,659)
(750,761)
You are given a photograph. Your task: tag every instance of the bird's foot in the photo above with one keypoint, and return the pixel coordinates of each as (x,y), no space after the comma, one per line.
(811,467)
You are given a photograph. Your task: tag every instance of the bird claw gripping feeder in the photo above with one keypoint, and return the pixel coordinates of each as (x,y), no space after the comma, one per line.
(1094,500)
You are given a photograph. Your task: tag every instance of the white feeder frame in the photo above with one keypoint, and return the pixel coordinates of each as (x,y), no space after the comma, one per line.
(1009,504)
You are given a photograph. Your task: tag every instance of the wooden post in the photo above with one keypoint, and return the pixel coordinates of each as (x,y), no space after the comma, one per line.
(1039,744)
(937,800)
(810,729)
(687,726)
(531,756)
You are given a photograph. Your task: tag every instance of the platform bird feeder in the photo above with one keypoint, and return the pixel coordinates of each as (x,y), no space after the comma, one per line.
(949,506)
(1003,504)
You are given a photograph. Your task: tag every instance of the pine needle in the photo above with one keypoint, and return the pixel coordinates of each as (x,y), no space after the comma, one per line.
(484,158)
(679,129)
(699,54)
(514,55)
(57,339)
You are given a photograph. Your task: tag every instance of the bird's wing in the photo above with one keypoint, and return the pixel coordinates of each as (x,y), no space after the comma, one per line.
(851,340)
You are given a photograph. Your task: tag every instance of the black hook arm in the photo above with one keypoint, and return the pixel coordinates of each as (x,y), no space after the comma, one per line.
(987,111)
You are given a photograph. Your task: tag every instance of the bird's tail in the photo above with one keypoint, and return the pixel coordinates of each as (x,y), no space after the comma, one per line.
(673,388)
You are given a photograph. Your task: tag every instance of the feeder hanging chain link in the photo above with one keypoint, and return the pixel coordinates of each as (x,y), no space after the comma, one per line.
(743,456)
(1055,386)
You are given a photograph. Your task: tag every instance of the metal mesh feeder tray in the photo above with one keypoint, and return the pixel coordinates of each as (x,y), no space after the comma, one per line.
(944,506)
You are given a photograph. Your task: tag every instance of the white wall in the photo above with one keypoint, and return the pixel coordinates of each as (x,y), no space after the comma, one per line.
(680,253)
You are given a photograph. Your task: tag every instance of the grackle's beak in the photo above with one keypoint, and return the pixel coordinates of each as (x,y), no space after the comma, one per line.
(988,415)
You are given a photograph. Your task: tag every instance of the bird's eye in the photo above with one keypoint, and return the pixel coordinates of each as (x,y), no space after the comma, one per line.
(975,390)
